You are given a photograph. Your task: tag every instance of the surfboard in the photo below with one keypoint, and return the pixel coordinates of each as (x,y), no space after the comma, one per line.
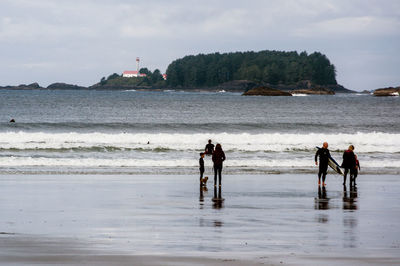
(334,165)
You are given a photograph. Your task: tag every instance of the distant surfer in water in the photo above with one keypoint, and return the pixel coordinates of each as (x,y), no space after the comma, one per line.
(324,156)
(349,164)
(209,148)
(218,157)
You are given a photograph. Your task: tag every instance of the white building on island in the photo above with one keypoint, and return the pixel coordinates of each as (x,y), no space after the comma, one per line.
(132,73)
(136,73)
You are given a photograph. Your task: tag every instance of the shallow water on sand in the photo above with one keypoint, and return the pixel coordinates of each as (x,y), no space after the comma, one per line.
(170,215)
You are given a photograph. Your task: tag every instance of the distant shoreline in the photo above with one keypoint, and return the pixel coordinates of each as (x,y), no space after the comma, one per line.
(239,86)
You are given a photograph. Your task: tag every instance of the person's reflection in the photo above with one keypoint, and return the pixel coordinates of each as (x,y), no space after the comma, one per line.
(350,198)
(218,223)
(218,200)
(322,203)
(350,220)
(201,198)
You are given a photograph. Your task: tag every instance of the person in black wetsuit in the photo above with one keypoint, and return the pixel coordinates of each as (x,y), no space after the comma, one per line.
(349,164)
(324,155)
(201,168)
(209,148)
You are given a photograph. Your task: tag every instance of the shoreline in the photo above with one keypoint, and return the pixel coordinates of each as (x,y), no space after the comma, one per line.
(194,172)
(154,219)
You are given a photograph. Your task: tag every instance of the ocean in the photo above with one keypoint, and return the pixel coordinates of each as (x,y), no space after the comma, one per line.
(163,132)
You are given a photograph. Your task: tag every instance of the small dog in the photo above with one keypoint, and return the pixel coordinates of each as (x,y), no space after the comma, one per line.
(204,181)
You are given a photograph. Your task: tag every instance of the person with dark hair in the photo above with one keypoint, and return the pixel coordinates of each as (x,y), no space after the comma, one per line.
(209,148)
(201,168)
(218,157)
(324,156)
(349,164)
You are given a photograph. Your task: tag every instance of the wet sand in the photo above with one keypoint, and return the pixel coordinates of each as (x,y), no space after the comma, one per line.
(168,220)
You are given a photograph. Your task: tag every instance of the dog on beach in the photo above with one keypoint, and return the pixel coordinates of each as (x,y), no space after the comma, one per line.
(204,181)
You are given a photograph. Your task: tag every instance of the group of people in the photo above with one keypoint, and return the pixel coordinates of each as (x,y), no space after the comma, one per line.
(218,157)
(350,164)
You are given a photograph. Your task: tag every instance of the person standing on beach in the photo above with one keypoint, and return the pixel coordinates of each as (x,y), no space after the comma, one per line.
(201,168)
(218,157)
(209,148)
(356,170)
(349,164)
(324,156)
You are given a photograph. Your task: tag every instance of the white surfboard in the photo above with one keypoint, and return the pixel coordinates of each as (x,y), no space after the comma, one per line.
(334,165)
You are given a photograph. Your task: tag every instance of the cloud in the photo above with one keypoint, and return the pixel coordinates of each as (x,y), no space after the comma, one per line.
(89,39)
(351,27)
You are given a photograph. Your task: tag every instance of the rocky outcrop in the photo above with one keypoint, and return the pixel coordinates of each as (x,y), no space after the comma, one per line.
(237,85)
(308,85)
(64,86)
(314,91)
(31,86)
(367,92)
(387,92)
(120,87)
(231,86)
(265,91)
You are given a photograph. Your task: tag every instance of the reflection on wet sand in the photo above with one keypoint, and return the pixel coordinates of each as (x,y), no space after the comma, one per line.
(350,221)
(210,223)
(218,223)
(201,198)
(350,198)
(322,202)
(218,201)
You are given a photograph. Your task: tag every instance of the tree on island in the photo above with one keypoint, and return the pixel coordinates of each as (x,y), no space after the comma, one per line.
(269,67)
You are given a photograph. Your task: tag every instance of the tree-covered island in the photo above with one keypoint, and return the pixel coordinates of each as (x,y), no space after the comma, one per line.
(239,71)
(264,67)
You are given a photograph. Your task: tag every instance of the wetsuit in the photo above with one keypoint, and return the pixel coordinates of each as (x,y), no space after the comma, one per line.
(209,149)
(349,165)
(324,156)
(201,163)
(218,157)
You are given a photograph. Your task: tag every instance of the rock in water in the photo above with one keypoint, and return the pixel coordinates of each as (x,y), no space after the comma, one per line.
(265,91)
(314,91)
(387,92)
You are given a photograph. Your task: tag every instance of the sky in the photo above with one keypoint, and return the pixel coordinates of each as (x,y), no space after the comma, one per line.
(81,41)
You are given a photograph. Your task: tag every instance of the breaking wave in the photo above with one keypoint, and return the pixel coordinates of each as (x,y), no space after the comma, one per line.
(161,142)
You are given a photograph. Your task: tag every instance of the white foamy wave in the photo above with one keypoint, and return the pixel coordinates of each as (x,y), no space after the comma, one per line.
(367,142)
(275,142)
(299,94)
(177,163)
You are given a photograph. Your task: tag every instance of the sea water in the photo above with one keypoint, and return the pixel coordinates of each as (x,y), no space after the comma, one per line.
(128,132)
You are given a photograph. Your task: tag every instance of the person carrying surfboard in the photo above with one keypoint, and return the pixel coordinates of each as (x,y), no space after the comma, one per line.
(324,156)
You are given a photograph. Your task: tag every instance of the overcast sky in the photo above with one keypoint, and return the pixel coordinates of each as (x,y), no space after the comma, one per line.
(81,41)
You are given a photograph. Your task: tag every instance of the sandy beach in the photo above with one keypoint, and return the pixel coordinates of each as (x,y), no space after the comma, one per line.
(168,220)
